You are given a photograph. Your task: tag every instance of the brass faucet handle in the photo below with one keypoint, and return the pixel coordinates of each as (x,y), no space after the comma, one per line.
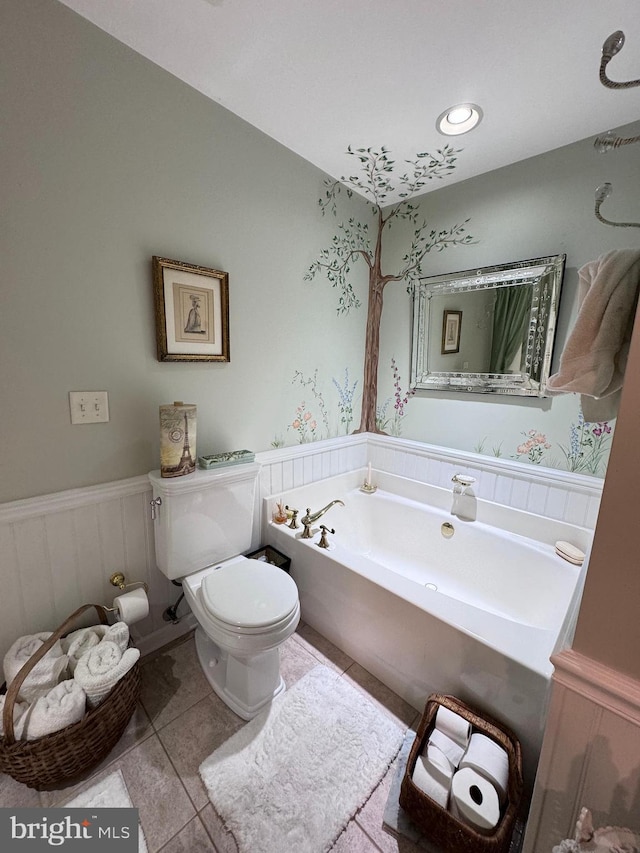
(293,524)
(306,523)
(324,542)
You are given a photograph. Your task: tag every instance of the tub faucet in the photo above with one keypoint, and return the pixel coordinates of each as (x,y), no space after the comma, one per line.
(462,483)
(464,501)
(311,518)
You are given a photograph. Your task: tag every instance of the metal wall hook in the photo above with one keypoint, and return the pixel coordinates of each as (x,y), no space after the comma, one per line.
(612,45)
(602,193)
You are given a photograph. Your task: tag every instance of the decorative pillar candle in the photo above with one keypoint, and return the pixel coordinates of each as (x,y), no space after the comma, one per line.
(177,439)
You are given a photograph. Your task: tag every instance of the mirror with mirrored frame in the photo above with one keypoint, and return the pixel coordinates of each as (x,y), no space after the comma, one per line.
(487,330)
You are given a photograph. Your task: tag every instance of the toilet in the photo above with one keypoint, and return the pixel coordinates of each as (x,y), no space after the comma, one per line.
(245,608)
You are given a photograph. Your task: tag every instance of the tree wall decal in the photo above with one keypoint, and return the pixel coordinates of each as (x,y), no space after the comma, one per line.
(355,240)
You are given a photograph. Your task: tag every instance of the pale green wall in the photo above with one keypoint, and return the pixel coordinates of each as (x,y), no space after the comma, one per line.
(541,206)
(108,160)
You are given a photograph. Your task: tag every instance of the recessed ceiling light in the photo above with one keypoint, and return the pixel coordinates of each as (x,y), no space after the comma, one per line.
(458,119)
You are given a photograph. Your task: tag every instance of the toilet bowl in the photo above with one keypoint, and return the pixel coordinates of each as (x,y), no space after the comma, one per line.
(245,608)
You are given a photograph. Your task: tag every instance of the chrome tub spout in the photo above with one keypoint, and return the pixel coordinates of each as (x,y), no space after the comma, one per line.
(311,518)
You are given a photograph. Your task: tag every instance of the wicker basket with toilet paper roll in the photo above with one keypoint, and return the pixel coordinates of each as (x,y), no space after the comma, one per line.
(463,781)
(65,755)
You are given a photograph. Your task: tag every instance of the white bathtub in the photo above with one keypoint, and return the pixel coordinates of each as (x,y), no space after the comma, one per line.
(476,615)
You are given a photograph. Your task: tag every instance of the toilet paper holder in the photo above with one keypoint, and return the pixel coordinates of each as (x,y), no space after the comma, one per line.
(118,579)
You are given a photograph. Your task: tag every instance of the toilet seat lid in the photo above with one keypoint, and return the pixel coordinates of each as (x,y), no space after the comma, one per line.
(249,594)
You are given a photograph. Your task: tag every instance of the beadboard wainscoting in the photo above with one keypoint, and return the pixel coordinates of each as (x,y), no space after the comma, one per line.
(573,498)
(590,752)
(59,550)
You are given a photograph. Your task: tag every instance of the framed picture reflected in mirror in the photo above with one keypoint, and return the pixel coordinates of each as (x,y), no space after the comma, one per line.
(451,329)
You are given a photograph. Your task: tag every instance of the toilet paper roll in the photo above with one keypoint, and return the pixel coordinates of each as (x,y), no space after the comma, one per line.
(132,606)
(474,800)
(490,760)
(439,765)
(453,725)
(451,749)
(428,780)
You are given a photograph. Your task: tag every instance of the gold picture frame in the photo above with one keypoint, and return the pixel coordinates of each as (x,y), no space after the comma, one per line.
(451,327)
(192,311)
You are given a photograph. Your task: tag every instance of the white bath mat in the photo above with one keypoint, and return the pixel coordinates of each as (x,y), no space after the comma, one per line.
(109,793)
(290,780)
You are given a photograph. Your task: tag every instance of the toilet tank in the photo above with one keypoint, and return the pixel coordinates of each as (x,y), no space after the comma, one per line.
(202,518)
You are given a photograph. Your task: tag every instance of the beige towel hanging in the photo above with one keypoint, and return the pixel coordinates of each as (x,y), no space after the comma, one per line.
(595,355)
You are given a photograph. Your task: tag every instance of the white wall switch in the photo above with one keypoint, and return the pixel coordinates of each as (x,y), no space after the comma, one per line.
(89,407)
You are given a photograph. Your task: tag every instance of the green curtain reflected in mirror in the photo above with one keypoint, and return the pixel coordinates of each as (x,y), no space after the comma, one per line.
(510,319)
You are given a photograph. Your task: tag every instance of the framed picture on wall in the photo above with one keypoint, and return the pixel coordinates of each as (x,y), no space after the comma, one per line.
(192,311)
(451,326)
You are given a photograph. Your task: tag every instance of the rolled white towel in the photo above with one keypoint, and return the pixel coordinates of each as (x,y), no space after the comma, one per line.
(79,642)
(45,674)
(101,668)
(76,644)
(64,705)
(118,633)
(19,709)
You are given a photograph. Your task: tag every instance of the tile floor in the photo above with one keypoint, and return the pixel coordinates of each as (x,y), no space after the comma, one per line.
(180,721)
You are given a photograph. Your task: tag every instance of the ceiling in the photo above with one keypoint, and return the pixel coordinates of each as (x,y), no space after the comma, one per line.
(319,75)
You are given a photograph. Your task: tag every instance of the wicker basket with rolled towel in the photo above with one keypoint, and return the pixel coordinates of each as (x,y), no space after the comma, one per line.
(60,757)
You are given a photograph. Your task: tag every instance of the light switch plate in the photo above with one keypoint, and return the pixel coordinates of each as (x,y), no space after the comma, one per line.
(89,407)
